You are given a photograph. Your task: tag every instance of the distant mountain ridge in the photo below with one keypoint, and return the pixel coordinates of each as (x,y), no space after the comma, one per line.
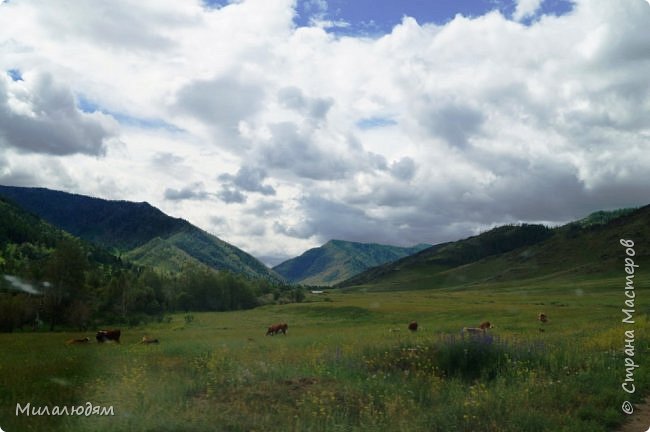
(588,247)
(128,227)
(121,225)
(338,260)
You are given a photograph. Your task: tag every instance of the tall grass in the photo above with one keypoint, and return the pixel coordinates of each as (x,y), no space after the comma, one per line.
(341,369)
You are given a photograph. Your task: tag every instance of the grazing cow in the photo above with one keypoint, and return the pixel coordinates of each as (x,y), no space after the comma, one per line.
(480,330)
(485,325)
(413,326)
(108,335)
(78,341)
(147,340)
(277,328)
(542,318)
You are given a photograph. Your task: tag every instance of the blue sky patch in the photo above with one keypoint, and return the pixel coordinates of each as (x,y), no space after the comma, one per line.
(88,106)
(375,122)
(378,17)
(216,4)
(555,7)
(15,74)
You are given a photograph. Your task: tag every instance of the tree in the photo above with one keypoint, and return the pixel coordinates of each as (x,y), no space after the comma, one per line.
(78,314)
(65,270)
(298,295)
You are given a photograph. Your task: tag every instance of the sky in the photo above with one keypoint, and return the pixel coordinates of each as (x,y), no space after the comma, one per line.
(278,125)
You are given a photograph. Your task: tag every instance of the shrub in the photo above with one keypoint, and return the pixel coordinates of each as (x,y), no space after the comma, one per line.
(467,358)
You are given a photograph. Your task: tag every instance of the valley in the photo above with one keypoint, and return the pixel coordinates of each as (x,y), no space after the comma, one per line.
(348,360)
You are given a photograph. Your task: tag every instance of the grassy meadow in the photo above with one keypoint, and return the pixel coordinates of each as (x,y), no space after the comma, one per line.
(348,363)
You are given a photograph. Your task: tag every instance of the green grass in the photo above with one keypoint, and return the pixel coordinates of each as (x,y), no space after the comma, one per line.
(344,367)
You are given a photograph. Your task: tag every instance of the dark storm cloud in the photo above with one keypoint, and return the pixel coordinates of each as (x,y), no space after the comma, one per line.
(53,124)
(537,197)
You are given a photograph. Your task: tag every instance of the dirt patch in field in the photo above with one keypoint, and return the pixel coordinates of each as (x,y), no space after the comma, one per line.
(639,421)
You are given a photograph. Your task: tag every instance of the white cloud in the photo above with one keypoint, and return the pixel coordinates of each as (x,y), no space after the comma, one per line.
(469,124)
(526,9)
(38,114)
(249,179)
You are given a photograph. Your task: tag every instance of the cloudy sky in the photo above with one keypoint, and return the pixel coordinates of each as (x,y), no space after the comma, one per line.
(280,124)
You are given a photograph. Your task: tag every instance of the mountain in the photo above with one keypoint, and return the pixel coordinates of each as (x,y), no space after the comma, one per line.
(26,238)
(603,217)
(18,226)
(338,260)
(161,254)
(49,276)
(136,230)
(586,248)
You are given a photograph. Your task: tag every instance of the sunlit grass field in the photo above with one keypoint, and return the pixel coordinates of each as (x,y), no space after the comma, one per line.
(348,363)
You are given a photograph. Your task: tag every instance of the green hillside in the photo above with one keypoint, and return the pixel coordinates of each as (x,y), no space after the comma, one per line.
(26,241)
(50,278)
(574,251)
(602,217)
(18,226)
(161,254)
(191,245)
(48,274)
(128,227)
(338,260)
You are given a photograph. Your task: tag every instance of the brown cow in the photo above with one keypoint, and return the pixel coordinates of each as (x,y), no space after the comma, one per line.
(147,340)
(413,326)
(542,318)
(277,328)
(486,325)
(78,341)
(108,335)
(480,330)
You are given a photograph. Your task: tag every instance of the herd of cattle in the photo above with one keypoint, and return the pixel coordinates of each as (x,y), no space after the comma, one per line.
(114,335)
